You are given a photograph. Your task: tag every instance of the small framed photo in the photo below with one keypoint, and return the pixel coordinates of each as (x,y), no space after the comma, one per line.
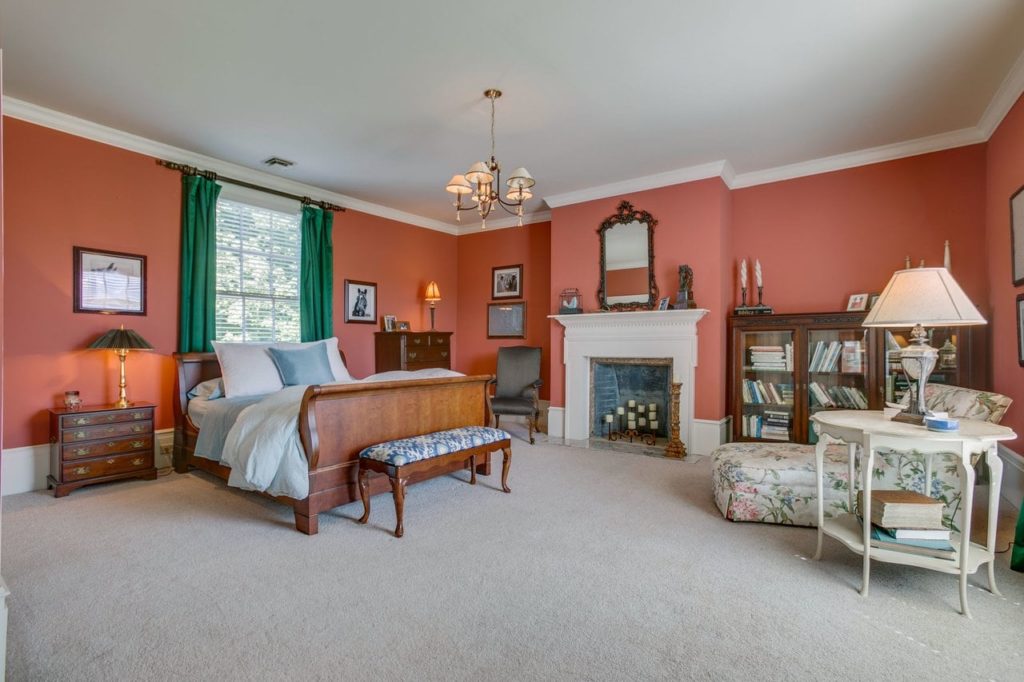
(663,303)
(507,281)
(360,301)
(872,300)
(109,282)
(1017,236)
(389,323)
(1020,329)
(402,326)
(506,320)
(857,302)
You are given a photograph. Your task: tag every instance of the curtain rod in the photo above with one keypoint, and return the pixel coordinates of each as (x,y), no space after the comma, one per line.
(210,175)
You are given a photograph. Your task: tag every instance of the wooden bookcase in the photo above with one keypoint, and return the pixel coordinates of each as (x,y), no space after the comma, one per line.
(784,368)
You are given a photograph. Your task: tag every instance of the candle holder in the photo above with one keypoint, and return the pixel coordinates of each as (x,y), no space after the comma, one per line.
(675,448)
(647,436)
(759,309)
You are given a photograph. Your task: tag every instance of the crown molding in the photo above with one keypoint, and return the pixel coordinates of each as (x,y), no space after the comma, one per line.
(48,118)
(1006,96)
(504,223)
(673,177)
(863,157)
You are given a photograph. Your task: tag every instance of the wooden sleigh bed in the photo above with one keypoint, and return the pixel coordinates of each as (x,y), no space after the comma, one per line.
(336,422)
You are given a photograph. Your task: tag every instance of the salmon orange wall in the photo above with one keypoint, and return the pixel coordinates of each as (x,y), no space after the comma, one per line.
(1005,176)
(824,237)
(478,253)
(692,223)
(401,259)
(64,191)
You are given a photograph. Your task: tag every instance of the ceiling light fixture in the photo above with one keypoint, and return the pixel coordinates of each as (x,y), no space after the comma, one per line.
(483,182)
(278,161)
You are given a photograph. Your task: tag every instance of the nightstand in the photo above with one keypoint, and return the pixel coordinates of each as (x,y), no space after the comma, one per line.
(100,443)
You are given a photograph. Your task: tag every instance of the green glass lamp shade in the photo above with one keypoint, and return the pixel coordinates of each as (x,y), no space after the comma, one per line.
(121,339)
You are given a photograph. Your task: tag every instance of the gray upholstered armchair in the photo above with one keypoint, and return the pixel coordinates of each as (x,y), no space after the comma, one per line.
(517,385)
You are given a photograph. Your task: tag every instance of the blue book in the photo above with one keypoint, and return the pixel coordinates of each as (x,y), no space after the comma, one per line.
(937,548)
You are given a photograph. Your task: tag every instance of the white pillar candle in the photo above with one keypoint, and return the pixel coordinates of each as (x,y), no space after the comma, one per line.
(652,407)
(743,273)
(757,272)
(632,403)
(641,421)
(632,425)
(631,416)
(608,418)
(652,416)
(620,410)
(654,425)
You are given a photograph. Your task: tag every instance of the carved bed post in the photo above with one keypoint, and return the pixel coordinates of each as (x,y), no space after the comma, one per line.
(675,448)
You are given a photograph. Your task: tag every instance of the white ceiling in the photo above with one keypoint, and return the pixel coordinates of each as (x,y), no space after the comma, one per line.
(382,101)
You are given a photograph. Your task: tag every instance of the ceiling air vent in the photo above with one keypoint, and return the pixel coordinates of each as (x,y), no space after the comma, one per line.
(278,161)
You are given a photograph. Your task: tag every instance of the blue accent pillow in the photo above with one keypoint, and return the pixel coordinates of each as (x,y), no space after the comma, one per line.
(302,366)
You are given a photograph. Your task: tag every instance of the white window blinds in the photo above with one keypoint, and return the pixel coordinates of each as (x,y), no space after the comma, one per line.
(258,254)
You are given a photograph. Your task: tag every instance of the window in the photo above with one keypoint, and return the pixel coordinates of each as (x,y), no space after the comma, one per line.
(258,253)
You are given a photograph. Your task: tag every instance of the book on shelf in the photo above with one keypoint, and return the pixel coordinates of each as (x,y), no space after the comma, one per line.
(918,533)
(852,357)
(903,509)
(942,549)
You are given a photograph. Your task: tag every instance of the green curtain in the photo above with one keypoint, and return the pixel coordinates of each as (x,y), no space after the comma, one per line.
(316,274)
(198,263)
(1017,557)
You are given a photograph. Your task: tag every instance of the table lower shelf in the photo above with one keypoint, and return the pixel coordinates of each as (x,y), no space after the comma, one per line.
(847,529)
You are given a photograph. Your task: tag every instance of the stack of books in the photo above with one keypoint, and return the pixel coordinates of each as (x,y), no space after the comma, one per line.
(776,358)
(909,522)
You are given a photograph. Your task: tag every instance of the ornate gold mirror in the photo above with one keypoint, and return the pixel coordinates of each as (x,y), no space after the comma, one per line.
(627,260)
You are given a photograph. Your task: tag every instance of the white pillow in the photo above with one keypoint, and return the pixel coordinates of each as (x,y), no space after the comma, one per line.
(338,368)
(247,369)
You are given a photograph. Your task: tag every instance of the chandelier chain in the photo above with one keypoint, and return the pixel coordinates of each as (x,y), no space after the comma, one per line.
(492,128)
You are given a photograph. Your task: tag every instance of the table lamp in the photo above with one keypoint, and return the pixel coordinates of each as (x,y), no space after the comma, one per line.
(121,341)
(432,297)
(914,298)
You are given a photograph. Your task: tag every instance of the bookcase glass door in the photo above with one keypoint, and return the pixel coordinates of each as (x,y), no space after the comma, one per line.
(837,372)
(947,368)
(767,384)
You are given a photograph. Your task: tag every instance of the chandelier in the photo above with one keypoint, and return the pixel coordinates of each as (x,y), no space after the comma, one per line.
(483,182)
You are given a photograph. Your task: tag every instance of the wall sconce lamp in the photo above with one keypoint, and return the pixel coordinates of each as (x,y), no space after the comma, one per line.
(121,341)
(432,297)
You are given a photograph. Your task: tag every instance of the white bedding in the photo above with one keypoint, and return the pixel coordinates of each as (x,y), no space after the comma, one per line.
(263,448)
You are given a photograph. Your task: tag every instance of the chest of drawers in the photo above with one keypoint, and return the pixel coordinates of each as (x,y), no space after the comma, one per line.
(98,444)
(412,350)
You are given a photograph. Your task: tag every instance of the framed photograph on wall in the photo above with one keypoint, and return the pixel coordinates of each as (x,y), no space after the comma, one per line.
(1017,236)
(506,320)
(1020,329)
(857,302)
(360,301)
(109,282)
(507,281)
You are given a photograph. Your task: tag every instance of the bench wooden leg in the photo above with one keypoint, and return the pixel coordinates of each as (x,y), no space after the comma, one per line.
(472,469)
(505,466)
(398,491)
(364,493)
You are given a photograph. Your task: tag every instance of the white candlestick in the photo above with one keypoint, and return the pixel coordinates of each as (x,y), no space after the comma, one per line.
(608,418)
(620,410)
(743,273)
(757,272)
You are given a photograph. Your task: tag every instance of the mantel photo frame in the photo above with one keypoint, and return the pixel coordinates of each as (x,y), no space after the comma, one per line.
(109,282)
(1017,236)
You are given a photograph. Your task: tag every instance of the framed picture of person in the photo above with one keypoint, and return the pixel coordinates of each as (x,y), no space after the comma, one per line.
(507,281)
(360,301)
(857,302)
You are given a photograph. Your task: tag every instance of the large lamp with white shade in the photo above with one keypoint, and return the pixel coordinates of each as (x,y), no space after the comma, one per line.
(916,298)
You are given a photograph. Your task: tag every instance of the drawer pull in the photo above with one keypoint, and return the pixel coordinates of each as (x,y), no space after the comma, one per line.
(444,354)
(439,341)
(80,434)
(137,462)
(111,429)
(81,421)
(138,415)
(111,443)
(138,429)
(82,471)
(81,451)
(417,340)
(137,443)
(111,417)
(111,461)
(412,356)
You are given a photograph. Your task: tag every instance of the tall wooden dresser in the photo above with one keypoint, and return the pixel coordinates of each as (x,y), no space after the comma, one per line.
(100,443)
(413,350)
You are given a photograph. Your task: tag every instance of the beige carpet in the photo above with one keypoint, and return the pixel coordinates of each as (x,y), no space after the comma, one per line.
(599,565)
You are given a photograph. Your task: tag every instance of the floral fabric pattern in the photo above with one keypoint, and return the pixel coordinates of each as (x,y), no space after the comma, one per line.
(964,403)
(407,450)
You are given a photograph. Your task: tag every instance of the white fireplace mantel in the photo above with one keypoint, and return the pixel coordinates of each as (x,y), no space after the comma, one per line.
(640,334)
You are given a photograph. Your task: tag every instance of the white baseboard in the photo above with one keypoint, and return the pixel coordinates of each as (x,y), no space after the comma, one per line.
(24,469)
(1013,476)
(556,422)
(708,434)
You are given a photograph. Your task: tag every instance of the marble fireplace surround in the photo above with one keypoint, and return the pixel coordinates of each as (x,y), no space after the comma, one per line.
(634,335)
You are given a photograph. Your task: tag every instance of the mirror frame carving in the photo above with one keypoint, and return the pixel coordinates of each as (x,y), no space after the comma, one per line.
(625,215)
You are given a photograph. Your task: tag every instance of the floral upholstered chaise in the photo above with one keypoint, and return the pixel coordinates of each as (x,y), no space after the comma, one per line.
(775,482)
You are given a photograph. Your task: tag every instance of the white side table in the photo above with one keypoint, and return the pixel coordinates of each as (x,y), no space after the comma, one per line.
(870,431)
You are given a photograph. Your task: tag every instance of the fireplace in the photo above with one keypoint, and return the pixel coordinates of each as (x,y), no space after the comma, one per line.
(667,336)
(615,382)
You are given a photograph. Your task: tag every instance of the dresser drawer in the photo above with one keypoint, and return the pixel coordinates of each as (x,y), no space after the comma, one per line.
(98,432)
(428,354)
(439,340)
(76,471)
(413,341)
(70,421)
(107,447)
(429,364)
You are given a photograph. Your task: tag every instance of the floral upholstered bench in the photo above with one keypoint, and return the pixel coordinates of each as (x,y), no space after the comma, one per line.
(427,456)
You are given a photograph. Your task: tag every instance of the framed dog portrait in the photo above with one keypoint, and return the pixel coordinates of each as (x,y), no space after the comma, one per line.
(360,301)
(109,282)
(507,281)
